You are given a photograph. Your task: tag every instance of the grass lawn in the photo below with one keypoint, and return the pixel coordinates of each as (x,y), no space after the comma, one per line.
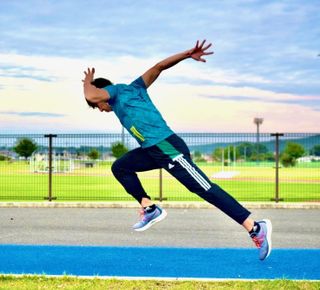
(251,183)
(42,282)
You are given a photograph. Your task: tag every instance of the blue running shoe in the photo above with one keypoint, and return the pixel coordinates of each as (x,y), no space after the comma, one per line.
(262,239)
(149,219)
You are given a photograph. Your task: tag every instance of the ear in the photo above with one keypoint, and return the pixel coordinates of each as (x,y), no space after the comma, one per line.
(109,109)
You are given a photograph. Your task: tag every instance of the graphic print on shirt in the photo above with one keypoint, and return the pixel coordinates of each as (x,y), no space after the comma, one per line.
(136,133)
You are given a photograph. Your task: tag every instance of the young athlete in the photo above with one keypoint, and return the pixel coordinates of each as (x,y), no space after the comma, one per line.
(160,147)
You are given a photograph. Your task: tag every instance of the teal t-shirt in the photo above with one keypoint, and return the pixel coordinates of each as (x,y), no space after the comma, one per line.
(136,112)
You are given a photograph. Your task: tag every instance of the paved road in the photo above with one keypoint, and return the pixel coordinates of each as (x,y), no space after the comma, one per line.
(208,228)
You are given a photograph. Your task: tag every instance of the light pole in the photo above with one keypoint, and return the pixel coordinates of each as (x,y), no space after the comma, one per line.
(122,136)
(258,122)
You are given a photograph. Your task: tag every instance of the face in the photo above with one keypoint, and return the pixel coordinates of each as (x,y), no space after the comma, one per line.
(104,107)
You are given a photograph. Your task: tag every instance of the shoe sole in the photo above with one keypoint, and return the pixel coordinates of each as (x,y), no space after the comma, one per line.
(161,217)
(269,232)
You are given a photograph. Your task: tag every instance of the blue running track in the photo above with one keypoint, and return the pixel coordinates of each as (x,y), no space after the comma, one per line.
(207,263)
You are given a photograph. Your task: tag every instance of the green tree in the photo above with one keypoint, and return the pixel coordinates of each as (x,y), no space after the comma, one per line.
(287,160)
(294,149)
(94,154)
(4,157)
(217,154)
(225,153)
(315,150)
(269,156)
(118,149)
(259,151)
(291,153)
(25,147)
(246,149)
(197,157)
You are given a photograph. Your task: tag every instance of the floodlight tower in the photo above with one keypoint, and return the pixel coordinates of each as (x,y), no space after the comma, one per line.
(258,122)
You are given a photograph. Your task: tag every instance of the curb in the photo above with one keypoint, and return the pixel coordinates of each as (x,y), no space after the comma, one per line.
(182,205)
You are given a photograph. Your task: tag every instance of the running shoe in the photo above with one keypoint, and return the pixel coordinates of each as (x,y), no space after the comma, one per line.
(149,218)
(262,239)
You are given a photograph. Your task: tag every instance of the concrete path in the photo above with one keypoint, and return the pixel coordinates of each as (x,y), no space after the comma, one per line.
(201,228)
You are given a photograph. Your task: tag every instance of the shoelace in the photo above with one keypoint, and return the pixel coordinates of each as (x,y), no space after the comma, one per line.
(257,242)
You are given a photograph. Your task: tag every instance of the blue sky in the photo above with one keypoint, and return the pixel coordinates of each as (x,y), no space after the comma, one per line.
(266,62)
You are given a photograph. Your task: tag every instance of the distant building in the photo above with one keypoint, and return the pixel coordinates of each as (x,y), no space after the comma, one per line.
(310,158)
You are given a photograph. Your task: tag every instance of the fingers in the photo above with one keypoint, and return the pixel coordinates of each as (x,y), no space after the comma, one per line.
(201,46)
(89,72)
(203,42)
(206,47)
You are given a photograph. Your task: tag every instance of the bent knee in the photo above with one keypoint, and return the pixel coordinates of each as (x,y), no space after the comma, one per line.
(119,168)
(116,168)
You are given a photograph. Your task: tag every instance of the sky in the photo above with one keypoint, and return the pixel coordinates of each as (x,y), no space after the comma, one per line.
(266,63)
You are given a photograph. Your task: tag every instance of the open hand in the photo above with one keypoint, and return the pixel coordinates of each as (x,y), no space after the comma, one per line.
(200,50)
(89,75)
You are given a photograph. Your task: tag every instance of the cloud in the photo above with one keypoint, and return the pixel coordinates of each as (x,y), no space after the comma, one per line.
(262,55)
(252,93)
(272,44)
(214,104)
(33,114)
(19,71)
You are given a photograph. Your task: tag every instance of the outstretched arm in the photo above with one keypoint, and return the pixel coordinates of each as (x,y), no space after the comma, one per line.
(92,93)
(195,53)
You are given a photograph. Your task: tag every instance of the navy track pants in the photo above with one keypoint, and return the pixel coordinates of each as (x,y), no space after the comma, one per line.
(173,155)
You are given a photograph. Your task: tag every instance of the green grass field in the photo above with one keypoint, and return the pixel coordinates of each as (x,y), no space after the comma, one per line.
(253,183)
(42,282)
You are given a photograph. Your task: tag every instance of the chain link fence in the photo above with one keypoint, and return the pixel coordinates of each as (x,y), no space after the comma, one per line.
(77,167)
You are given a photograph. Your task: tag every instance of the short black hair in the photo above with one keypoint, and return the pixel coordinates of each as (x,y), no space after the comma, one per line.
(92,105)
(98,83)
(101,83)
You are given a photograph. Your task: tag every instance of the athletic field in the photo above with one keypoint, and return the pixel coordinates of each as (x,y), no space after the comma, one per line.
(248,182)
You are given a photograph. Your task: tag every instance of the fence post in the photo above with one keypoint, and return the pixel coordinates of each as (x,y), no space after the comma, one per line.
(277,155)
(160,198)
(50,197)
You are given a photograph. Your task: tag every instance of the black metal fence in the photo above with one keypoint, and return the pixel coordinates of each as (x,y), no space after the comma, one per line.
(75,167)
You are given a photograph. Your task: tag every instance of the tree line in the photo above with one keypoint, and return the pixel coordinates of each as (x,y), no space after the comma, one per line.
(245,151)
(25,147)
(250,152)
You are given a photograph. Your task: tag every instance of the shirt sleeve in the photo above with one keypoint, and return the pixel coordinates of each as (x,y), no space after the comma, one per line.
(112,91)
(139,82)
